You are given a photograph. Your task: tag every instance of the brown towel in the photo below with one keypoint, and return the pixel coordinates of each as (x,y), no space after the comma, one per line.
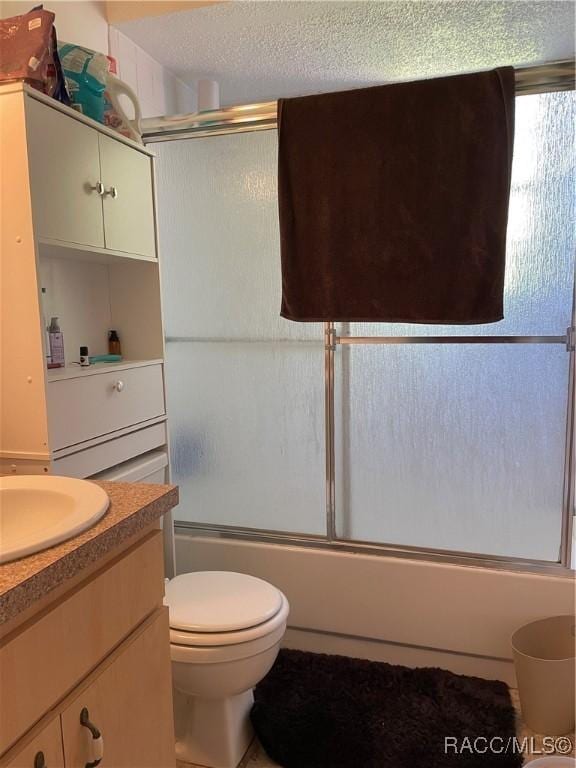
(394,201)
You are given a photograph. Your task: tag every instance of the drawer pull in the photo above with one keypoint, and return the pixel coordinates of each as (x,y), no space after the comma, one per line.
(97,740)
(39,761)
(119,385)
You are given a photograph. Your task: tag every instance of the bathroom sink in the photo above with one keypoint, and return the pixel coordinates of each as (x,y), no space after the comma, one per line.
(38,511)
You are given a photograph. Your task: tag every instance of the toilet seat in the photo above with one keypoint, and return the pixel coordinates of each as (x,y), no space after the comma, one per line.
(206,639)
(222,608)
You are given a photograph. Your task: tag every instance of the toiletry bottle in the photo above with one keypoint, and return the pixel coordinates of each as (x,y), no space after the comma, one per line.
(114,343)
(45,326)
(56,341)
(84,357)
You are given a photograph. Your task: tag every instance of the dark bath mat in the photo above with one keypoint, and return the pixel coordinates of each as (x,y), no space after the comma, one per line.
(318,711)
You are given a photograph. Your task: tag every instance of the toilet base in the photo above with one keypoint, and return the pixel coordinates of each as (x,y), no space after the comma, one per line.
(213,732)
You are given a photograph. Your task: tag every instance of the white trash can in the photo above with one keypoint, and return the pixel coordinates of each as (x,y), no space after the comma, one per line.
(544,654)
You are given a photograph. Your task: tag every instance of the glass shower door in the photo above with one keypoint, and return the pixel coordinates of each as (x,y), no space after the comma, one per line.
(244,386)
(455,446)
(461,446)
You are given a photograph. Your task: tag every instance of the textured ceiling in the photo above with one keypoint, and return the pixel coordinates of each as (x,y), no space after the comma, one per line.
(263,50)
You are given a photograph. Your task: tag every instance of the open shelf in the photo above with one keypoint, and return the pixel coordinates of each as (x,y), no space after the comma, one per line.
(92,296)
(63,250)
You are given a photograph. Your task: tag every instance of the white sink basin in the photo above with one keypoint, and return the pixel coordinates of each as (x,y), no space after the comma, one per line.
(38,511)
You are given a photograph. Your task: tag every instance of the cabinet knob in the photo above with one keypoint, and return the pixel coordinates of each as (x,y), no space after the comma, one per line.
(112,191)
(119,385)
(97,740)
(39,761)
(98,188)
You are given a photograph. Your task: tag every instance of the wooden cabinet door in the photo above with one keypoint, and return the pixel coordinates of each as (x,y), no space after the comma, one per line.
(128,198)
(130,703)
(48,742)
(64,172)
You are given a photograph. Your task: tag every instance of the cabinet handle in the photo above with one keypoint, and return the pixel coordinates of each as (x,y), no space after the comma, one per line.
(98,188)
(97,740)
(118,385)
(113,192)
(39,761)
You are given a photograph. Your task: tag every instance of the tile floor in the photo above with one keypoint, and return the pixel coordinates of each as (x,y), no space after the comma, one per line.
(257,758)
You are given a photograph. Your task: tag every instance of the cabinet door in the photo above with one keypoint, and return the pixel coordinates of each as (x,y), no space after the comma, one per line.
(128,198)
(64,172)
(48,742)
(130,703)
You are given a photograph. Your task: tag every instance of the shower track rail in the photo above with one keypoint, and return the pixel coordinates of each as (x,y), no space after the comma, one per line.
(540,78)
(454,339)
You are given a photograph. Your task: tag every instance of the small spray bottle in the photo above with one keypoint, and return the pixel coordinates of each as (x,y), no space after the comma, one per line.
(56,343)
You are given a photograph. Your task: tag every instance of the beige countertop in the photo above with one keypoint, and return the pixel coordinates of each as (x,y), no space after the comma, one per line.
(133,507)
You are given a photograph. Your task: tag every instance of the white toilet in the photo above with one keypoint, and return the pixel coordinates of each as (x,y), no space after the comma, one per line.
(225,632)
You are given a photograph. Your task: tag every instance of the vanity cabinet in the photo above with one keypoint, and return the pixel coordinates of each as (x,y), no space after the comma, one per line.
(88,188)
(43,751)
(102,648)
(127,702)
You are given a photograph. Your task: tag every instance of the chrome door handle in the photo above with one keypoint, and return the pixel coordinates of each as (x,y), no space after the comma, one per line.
(112,191)
(97,740)
(98,188)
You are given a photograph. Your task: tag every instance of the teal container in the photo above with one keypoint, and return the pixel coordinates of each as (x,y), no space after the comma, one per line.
(86,89)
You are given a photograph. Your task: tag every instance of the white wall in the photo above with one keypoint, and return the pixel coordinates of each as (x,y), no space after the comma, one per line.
(159,91)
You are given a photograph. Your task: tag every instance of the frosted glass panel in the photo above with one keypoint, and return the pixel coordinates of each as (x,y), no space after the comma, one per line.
(247,433)
(245,414)
(453,447)
(219,238)
(541,236)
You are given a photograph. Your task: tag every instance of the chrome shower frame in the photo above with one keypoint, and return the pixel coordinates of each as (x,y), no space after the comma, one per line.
(554,76)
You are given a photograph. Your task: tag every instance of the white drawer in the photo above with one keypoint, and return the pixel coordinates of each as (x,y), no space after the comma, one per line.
(82,408)
(148,468)
(116,450)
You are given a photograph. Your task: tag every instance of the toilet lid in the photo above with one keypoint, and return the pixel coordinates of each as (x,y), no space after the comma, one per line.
(220,601)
